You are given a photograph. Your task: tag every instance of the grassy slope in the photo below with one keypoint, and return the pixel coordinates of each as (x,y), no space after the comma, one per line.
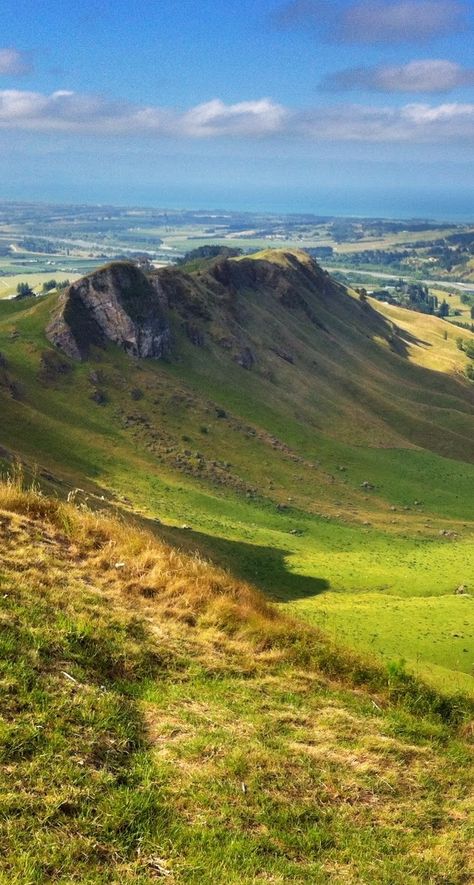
(358,552)
(161,720)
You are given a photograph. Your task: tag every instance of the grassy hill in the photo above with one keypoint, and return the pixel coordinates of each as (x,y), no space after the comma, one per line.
(318,446)
(162,720)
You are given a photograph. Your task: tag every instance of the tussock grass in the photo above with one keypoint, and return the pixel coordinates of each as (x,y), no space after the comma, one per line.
(135,567)
(161,719)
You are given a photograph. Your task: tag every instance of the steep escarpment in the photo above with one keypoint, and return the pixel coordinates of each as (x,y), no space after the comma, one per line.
(230,286)
(117,304)
(215,303)
(331,360)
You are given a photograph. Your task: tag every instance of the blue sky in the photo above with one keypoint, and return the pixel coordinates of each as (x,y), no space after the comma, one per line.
(350,106)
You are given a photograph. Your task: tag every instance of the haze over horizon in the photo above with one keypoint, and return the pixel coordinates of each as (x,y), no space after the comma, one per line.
(356,107)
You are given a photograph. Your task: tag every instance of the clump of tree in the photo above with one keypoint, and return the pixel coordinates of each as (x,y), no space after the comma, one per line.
(466,346)
(345,231)
(24,290)
(414,296)
(377,257)
(321,251)
(49,285)
(385,295)
(29,244)
(210,251)
(443,309)
(469,349)
(468,326)
(420,299)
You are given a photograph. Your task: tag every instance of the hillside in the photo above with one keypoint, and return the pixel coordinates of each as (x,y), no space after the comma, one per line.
(162,720)
(312,443)
(281,317)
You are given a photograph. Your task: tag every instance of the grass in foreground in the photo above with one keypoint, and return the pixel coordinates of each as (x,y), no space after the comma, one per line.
(162,720)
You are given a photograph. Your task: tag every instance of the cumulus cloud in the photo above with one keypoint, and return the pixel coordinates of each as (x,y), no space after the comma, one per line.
(67,111)
(13,62)
(426,75)
(63,110)
(254,118)
(76,114)
(376,21)
(415,123)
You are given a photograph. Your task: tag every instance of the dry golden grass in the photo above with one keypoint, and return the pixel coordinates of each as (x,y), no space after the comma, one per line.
(258,760)
(220,614)
(141,571)
(429,348)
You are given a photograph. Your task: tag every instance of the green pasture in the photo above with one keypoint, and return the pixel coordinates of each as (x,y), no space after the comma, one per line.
(379,575)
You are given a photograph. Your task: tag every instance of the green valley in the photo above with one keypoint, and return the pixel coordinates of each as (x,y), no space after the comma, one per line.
(294,434)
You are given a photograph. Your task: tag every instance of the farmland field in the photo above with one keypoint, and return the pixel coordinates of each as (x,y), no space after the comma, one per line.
(8,285)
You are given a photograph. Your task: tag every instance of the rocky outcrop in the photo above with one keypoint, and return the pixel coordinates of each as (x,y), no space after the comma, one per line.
(212,304)
(117,304)
(245,358)
(7,383)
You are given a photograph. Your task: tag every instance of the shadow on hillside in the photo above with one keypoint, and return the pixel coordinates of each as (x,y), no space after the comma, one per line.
(265,567)
(399,339)
(403,339)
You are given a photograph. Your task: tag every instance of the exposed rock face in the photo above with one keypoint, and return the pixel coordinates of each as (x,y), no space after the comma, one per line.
(116,303)
(212,304)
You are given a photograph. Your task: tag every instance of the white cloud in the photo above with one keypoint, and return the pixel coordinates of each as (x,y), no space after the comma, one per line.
(246,118)
(76,114)
(70,112)
(415,123)
(13,62)
(426,75)
(67,111)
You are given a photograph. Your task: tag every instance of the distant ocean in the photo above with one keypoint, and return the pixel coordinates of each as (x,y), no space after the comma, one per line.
(442,206)
(436,206)
(410,204)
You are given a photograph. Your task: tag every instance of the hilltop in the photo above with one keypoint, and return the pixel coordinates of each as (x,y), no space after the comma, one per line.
(275,308)
(319,445)
(162,720)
